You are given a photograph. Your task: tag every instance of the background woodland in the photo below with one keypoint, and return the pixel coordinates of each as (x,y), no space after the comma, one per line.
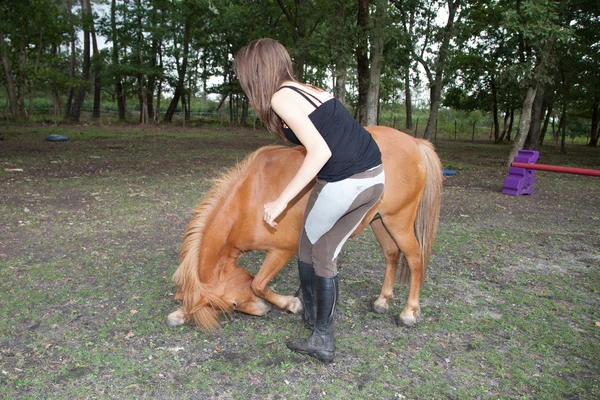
(526,69)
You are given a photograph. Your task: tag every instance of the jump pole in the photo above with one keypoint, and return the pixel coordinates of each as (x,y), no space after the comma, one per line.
(521,173)
(555,168)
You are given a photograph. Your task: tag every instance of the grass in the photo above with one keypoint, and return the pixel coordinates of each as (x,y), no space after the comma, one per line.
(509,309)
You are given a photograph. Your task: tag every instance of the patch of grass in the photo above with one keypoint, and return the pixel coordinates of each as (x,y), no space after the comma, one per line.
(509,309)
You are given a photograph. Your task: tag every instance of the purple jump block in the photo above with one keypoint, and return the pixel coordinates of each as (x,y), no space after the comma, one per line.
(520,180)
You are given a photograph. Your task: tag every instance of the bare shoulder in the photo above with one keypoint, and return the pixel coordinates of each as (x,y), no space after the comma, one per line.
(282,100)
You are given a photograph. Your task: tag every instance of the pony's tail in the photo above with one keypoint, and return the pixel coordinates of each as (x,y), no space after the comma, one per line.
(428,212)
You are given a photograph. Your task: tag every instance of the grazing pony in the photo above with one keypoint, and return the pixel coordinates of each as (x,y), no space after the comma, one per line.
(229,222)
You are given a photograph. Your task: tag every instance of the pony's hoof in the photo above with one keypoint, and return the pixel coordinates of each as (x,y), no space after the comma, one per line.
(176,318)
(409,319)
(295,306)
(381,307)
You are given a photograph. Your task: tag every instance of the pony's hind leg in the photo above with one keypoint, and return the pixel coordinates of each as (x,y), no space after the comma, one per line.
(403,233)
(391,252)
(273,263)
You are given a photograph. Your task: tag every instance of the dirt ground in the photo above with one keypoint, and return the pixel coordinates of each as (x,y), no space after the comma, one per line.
(90,234)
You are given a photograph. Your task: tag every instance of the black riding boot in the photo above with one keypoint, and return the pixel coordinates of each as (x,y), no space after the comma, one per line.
(307,282)
(320,344)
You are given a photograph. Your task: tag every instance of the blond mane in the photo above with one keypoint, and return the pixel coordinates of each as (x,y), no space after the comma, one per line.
(186,277)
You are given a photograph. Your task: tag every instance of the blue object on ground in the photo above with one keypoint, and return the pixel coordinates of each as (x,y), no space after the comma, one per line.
(56,138)
(449,172)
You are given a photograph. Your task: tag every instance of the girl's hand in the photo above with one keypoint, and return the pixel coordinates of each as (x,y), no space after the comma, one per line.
(272,210)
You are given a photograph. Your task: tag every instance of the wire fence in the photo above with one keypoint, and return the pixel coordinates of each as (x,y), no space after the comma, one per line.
(447,127)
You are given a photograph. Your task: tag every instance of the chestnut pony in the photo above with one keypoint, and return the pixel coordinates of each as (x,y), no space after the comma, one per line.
(228,222)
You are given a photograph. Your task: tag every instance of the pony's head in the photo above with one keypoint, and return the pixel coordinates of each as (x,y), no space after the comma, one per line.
(205,302)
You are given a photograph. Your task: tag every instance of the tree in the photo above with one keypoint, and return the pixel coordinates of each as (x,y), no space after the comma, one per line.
(304,17)
(362,60)
(482,61)
(73,58)
(341,59)
(426,36)
(377,44)
(87,22)
(96,67)
(537,23)
(181,60)
(31,32)
(114,69)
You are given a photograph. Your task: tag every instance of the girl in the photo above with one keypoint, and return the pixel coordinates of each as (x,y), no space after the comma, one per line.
(339,152)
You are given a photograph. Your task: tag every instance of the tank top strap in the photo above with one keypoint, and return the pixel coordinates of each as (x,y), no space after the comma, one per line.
(304,94)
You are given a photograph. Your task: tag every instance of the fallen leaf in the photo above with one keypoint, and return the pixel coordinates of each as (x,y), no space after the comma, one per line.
(133,312)
(597,323)
(130,334)
(218,349)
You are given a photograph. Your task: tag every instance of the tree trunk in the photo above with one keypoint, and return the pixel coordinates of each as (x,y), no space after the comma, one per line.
(10,84)
(594,131)
(377,43)
(504,126)
(182,71)
(408,99)
(72,64)
(188,102)
(141,75)
(533,139)
(546,121)
(160,82)
(339,90)
(244,115)
(85,69)
(97,65)
(142,99)
(204,77)
(436,85)
(362,60)
(115,61)
(510,124)
(152,75)
(21,85)
(54,95)
(562,129)
(495,110)
(524,124)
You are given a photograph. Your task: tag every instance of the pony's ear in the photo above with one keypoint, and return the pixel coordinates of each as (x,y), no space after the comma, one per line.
(199,305)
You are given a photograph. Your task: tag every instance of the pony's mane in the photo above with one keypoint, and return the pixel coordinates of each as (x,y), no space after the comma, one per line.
(186,276)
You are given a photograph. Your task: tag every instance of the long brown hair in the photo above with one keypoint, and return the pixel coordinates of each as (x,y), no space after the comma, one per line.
(261,67)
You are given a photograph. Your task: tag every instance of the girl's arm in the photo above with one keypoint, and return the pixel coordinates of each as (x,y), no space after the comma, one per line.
(287,105)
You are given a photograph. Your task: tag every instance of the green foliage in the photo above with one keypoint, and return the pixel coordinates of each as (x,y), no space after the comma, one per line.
(493,57)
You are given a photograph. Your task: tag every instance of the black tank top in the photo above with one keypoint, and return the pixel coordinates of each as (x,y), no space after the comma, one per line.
(353,149)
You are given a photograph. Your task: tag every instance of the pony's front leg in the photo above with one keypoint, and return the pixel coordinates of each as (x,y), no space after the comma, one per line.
(273,263)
